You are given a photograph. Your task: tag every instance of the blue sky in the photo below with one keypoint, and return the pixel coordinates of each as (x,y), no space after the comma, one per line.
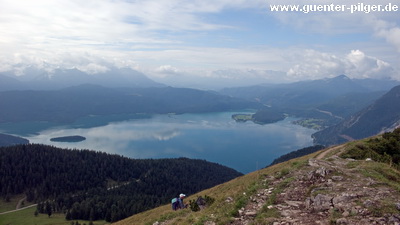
(200,42)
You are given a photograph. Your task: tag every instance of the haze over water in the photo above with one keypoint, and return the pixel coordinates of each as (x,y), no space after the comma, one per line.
(215,137)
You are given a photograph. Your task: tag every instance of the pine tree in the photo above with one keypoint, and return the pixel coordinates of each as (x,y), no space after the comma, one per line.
(49,209)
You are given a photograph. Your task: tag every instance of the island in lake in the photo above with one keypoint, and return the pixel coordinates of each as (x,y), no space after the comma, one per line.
(263,116)
(75,138)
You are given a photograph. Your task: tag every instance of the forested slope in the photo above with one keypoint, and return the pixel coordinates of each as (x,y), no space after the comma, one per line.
(112,186)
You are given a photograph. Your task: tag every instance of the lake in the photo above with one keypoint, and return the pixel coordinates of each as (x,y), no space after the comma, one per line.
(215,137)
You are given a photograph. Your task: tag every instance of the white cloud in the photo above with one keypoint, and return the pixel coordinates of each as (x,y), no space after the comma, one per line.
(155,36)
(167,69)
(316,65)
(359,65)
(93,68)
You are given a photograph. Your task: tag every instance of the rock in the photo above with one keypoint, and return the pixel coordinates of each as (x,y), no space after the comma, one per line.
(342,221)
(394,220)
(308,203)
(251,213)
(343,201)
(337,178)
(368,203)
(229,200)
(322,202)
(295,204)
(398,205)
(322,171)
(313,162)
(290,213)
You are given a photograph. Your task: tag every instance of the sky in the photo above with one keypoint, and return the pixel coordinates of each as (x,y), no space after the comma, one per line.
(202,42)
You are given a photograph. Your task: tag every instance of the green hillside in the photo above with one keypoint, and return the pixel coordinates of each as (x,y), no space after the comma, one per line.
(89,185)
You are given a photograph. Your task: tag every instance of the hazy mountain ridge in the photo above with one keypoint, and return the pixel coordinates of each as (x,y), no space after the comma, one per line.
(311,99)
(35,79)
(68,104)
(381,116)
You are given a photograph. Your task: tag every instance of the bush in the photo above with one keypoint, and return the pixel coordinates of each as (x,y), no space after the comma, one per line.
(200,203)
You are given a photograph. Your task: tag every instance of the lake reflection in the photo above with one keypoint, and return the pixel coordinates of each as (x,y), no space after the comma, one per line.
(214,137)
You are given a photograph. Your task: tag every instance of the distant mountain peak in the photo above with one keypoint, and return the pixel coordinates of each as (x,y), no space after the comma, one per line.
(343,77)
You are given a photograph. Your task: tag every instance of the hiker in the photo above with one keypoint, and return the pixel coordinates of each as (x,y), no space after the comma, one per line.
(177,203)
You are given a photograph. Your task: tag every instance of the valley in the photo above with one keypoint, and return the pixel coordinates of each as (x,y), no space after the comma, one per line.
(164,124)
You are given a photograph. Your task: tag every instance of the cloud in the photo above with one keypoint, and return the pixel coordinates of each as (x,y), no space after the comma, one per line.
(389,31)
(383,24)
(167,69)
(93,68)
(356,64)
(359,65)
(166,38)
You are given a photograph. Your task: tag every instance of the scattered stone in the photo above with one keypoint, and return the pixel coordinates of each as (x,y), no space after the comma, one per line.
(322,171)
(368,203)
(322,202)
(295,204)
(398,205)
(229,200)
(342,221)
(315,197)
(345,214)
(337,178)
(252,214)
(313,162)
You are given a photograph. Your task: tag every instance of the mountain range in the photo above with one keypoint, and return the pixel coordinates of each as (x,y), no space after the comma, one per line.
(35,79)
(381,116)
(66,95)
(336,185)
(68,104)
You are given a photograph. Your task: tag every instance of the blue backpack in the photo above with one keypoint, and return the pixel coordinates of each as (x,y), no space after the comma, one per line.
(174,203)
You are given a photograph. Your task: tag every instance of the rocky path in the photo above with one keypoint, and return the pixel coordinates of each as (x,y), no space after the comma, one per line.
(322,192)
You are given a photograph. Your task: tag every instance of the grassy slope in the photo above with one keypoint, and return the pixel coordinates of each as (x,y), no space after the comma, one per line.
(221,212)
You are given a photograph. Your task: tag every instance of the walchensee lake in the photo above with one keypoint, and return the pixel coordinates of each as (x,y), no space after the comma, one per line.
(215,137)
